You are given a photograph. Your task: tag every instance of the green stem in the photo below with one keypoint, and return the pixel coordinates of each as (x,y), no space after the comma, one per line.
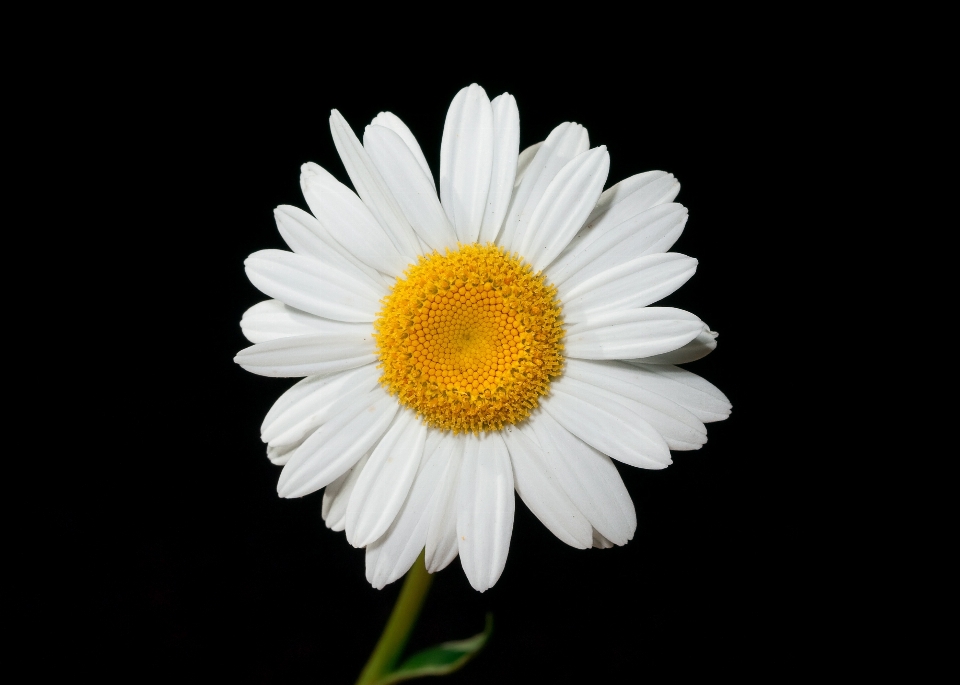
(399,625)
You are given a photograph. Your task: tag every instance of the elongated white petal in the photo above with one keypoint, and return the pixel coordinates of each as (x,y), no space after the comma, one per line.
(635,194)
(314,408)
(297,393)
(631,285)
(543,495)
(626,199)
(564,206)
(349,222)
(599,541)
(697,395)
(393,554)
(631,334)
(587,476)
(392,121)
(652,231)
(485,509)
(523,161)
(337,495)
(305,235)
(281,454)
(698,348)
(506,143)
(410,187)
(337,445)
(611,423)
(441,547)
(679,427)
(313,286)
(466,160)
(337,347)
(272,319)
(564,143)
(371,188)
(386,480)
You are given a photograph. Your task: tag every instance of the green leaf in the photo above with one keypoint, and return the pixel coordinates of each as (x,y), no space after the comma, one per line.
(440,660)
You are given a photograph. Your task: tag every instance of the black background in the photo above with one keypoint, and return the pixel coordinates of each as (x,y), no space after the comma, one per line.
(187,564)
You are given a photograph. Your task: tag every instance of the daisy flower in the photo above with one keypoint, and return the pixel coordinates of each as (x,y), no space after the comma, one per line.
(464,342)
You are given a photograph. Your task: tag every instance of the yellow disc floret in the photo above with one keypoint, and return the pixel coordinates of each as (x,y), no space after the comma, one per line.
(470,339)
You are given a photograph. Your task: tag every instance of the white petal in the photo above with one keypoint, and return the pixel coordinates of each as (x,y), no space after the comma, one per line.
(410,187)
(626,199)
(631,285)
(680,428)
(599,541)
(506,143)
(441,547)
(631,333)
(393,122)
(466,160)
(386,480)
(307,236)
(587,476)
(695,394)
(337,495)
(523,161)
(393,554)
(310,410)
(337,445)
(371,188)
(280,455)
(485,509)
(652,231)
(564,143)
(543,495)
(698,348)
(611,423)
(349,221)
(338,347)
(314,286)
(272,319)
(563,207)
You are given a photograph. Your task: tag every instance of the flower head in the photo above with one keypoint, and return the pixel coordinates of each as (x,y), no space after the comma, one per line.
(496,338)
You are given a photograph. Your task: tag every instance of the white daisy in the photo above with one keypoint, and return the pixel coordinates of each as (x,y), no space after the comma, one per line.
(495,338)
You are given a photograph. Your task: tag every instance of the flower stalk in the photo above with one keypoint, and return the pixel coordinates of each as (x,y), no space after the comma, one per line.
(400,624)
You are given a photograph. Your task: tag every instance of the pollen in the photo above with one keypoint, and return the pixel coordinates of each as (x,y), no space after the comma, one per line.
(470,339)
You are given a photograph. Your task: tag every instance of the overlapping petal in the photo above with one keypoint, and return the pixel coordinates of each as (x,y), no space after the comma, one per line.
(631,333)
(348,220)
(588,476)
(410,186)
(564,205)
(313,401)
(386,479)
(336,496)
(315,286)
(543,494)
(485,509)
(698,348)
(503,172)
(371,187)
(337,346)
(338,444)
(466,161)
(392,121)
(394,552)
(441,546)
(565,142)
(631,285)
(607,246)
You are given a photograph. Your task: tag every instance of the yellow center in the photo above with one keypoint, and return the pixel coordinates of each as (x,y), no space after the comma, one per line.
(470,339)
